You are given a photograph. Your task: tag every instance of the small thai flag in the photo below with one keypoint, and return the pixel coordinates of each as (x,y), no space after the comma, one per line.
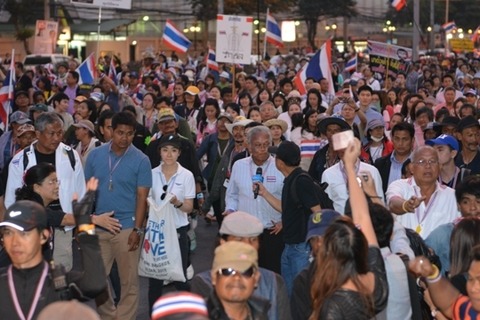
(398,4)
(211,60)
(7,93)
(449,26)
(476,34)
(273,34)
(87,70)
(112,72)
(174,38)
(351,64)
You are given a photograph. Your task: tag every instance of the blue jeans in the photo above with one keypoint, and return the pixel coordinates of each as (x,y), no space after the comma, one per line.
(294,259)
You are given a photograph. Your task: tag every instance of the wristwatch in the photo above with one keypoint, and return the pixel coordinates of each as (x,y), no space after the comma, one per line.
(139,231)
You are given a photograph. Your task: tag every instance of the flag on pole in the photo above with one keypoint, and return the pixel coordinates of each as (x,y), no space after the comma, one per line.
(318,67)
(87,70)
(398,4)
(112,72)
(273,34)
(7,92)
(449,26)
(476,34)
(351,64)
(174,38)
(211,60)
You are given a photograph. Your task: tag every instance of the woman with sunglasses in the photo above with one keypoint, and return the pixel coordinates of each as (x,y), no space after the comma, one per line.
(171,178)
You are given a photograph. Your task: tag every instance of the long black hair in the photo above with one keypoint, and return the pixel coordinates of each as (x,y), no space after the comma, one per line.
(35,175)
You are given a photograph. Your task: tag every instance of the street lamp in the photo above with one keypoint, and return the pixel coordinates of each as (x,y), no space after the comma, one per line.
(390,29)
(195,28)
(332,27)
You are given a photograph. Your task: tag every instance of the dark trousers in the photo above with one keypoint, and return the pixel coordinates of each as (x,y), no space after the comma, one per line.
(270,252)
(155,286)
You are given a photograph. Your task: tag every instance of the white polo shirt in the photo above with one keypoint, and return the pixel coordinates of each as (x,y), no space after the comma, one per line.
(441,209)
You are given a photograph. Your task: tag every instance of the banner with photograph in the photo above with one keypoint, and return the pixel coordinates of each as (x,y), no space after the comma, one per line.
(388,58)
(45,41)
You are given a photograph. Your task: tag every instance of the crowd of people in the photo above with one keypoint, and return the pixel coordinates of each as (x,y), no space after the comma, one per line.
(306,229)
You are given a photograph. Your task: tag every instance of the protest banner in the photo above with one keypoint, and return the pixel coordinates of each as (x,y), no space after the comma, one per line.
(388,59)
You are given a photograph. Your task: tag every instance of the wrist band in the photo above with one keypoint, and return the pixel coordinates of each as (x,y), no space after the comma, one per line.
(374,197)
(436,276)
(178,206)
(200,195)
(403,206)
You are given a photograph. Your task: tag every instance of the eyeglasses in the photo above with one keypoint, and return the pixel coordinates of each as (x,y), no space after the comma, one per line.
(53,181)
(164,194)
(423,162)
(229,272)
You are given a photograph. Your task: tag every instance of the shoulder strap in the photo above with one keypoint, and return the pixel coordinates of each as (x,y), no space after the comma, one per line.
(25,158)
(412,288)
(71,156)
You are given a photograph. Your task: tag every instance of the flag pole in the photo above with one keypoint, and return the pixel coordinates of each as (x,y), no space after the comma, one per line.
(11,89)
(98,30)
(265,37)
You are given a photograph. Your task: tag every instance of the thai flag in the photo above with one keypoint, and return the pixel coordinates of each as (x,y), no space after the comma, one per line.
(476,34)
(112,72)
(174,38)
(211,60)
(273,34)
(7,93)
(351,64)
(449,26)
(87,70)
(398,4)
(318,67)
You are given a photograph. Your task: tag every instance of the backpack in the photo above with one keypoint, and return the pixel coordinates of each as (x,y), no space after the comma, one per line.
(325,202)
(69,150)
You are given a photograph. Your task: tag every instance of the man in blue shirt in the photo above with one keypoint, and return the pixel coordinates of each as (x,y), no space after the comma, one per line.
(124,183)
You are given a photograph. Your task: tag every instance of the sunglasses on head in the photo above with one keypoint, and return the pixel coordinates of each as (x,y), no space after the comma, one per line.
(164,194)
(230,272)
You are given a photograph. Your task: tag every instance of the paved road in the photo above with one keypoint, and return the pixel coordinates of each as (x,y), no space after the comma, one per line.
(201,260)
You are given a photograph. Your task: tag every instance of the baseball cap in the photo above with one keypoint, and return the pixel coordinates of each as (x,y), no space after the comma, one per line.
(25,128)
(374,123)
(236,255)
(319,222)
(86,124)
(80,98)
(225,74)
(288,152)
(226,116)
(190,75)
(471,92)
(25,215)
(19,117)
(97,96)
(444,139)
(467,122)
(21,93)
(241,224)
(476,75)
(133,75)
(169,140)
(192,90)
(166,114)
(179,303)
(39,107)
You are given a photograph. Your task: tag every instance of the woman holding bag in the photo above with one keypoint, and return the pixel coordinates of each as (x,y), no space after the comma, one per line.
(173,183)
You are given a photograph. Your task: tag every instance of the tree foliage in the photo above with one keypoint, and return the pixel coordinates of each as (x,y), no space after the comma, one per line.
(22,16)
(313,10)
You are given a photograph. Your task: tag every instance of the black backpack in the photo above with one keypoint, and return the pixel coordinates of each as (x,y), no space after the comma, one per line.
(325,201)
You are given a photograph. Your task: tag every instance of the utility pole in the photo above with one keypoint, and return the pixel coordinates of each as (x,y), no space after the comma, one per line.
(416,29)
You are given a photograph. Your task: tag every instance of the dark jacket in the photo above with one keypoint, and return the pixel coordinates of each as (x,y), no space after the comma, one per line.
(258,308)
(383,165)
(85,283)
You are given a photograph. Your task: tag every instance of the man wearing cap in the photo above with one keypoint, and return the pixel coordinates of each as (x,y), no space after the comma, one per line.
(327,156)
(242,194)
(300,300)
(449,125)
(215,146)
(234,277)
(8,142)
(163,104)
(471,96)
(447,148)
(468,131)
(22,101)
(124,183)
(421,203)
(25,135)
(224,169)
(28,285)
(180,305)
(224,82)
(85,134)
(295,208)
(243,227)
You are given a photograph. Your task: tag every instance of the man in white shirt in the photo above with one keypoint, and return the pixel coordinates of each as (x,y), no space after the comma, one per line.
(370,80)
(241,194)
(421,203)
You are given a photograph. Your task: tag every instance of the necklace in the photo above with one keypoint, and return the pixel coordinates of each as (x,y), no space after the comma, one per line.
(329,162)
(110,169)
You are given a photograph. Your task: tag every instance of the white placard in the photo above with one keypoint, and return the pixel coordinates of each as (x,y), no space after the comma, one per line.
(234,39)
(114,4)
(45,40)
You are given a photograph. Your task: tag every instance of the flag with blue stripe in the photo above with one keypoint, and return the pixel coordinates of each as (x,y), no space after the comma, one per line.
(173,38)
(273,34)
(87,70)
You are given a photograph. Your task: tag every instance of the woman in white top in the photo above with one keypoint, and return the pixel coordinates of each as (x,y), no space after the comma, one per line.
(171,178)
